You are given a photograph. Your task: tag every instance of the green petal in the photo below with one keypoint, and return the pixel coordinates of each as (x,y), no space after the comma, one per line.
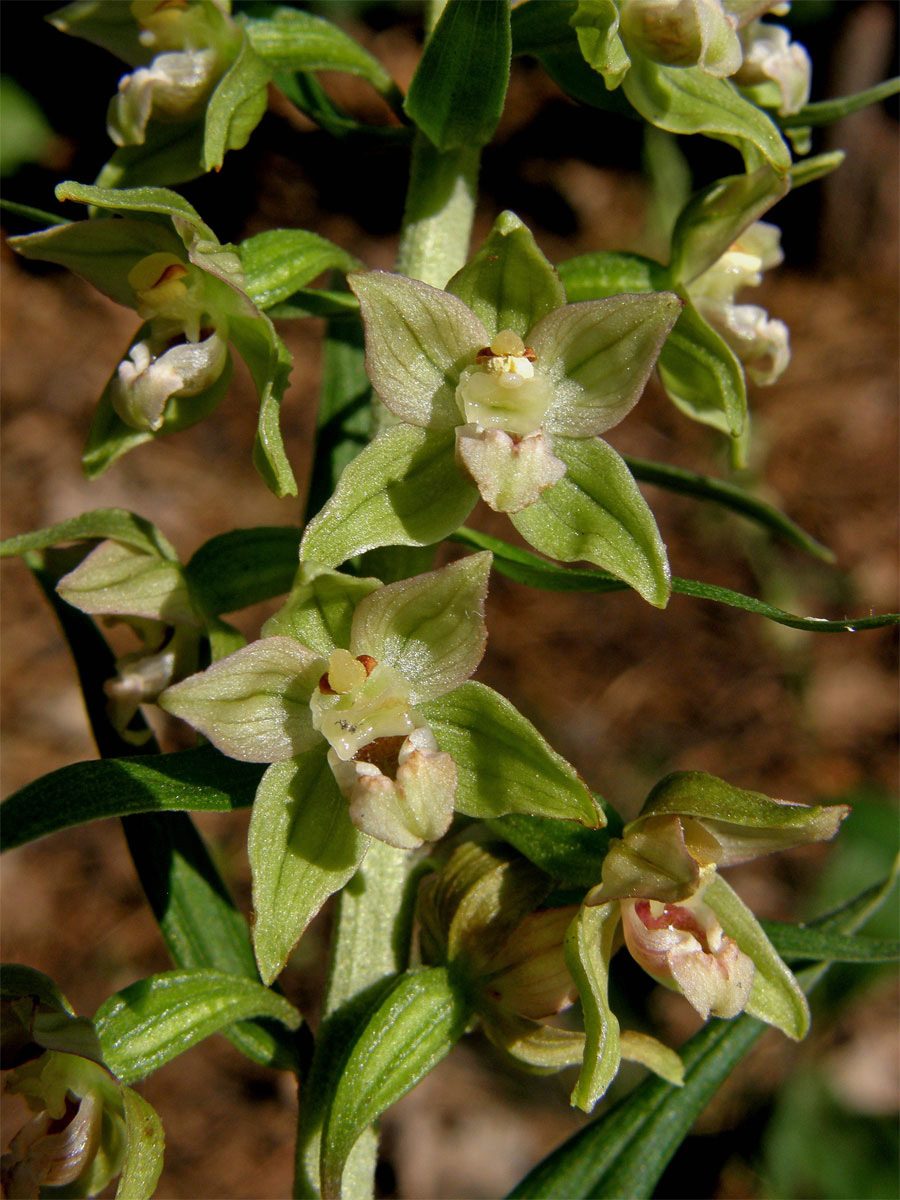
(430,629)
(588,951)
(596,513)
(418,339)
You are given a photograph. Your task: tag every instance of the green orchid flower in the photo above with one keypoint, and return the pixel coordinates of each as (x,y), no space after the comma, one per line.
(502,390)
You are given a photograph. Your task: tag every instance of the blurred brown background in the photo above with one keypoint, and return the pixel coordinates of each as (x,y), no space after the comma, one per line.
(624,691)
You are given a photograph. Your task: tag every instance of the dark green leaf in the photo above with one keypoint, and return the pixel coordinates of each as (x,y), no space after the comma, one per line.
(457,93)
(280,261)
(38,215)
(806,943)
(609,273)
(702,375)
(236,569)
(565,850)
(154,1020)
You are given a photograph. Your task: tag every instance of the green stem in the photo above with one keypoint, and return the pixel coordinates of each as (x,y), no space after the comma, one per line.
(440,208)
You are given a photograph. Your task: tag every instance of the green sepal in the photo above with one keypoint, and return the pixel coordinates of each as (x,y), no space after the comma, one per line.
(319,610)
(596,513)
(609,273)
(269,363)
(810,169)
(100,524)
(236,107)
(775,996)
(302,847)
(713,219)
(169,154)
(596,24)
(702,375)
(144,1147)
(35,1016)
(652,1054)
(539,1049)
(687,100)
(290,40)
(417,1023)
(279,262)
(119,580)
(508,283)
(567,852)
(150,1022)
(504,764)
(456,95)
(106,23)
(588,948)
(430,629)
(403,490)
(146,203)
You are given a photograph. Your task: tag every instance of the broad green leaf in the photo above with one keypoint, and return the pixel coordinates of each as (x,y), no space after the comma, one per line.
(254,704)
(527,568)
(236,569)
(775,996)
(702,375)
(302,849)
(200,780)
(609,273)
(504,764)
(596,513)
(154,1020)
(566,851)
(804,943)
(236,107)
(418,340)
(588,947)
(729,495)
(319,610)
(430,629)
(144,1149)
(280,261)
(290,40)
(403,490)
(599,355)
(687,100)
(456,95)
(508,283)
(417,1023)
(713,219)
(823,112)
(116,523)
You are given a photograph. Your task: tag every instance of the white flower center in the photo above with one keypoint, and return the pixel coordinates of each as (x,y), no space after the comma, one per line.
(502,391)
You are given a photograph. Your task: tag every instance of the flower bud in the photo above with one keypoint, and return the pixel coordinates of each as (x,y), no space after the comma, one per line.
(682,33)
(771,58)
(157,369)
(174,87)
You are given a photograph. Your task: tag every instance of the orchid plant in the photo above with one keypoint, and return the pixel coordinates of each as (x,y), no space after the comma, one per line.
(476,879)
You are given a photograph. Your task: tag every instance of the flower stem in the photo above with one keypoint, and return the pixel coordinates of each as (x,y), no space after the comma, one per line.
(440,208)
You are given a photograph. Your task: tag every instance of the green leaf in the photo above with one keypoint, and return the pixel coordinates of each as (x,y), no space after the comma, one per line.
(430,629)
(315,302)
(588,949)
(504,764)
(319,611)
(290,40)
(38,215)
(596,513)
(805,943)
(116,523)
(713,219)
(702,375)
(508,283)
(244,566)
(302,849)
(729,495)
(278,262)
(810,169)
(456,95)
(200,780)
(144,1150)
(142,200)
(236,106)
(566,851)
(536,572)
(823,112)
(609,273)
(417,1023)
(775,995)
(154,1020)
(403,490)
(687,100)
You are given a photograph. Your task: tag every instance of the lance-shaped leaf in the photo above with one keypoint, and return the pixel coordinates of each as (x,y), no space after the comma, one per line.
(145,1146)
(429,629)
(302,847)
(508,283)
(319,611)
(456,95)
(504,764)
(243,566)
(588,951)
(254,704)
(115,523)
(418,1022)
(404,489)
(610,273)
(154,1020)
(280,261)
(775,996)
(236,107)
(745,824)
(597,514)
